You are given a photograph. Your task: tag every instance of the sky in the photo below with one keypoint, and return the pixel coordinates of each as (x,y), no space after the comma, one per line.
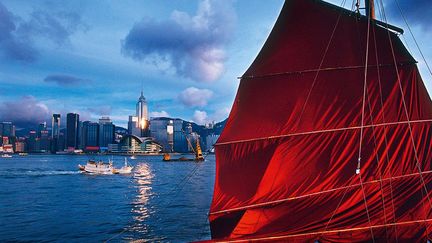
(94,57)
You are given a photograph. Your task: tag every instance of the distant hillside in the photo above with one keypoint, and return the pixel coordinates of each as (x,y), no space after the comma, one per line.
(200,129)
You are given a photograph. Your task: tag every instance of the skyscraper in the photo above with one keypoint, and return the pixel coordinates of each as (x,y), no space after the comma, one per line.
(106,132)
(72,120)
(55,126)
(142,114)
(8,129)
(133,127)
(90,134)
(41,127)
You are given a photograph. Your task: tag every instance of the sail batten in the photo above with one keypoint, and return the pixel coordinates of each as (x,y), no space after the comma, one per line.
(321,131)
(330,69)
(286,160)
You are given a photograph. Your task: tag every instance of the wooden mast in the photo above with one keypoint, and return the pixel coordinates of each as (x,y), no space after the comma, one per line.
(370,8)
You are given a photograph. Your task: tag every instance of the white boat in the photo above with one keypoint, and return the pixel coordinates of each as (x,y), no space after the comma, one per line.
(133,157)
(99,167)
(126,169)
(6,156)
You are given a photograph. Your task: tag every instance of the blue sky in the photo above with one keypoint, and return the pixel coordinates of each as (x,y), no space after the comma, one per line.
(92,57)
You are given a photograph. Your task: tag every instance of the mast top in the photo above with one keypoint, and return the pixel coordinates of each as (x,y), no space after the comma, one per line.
(370,8)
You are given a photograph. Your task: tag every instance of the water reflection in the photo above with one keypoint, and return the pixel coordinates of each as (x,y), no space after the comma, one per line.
(143,176)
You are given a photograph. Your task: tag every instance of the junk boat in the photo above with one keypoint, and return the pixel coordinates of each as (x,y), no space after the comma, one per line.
(100,167)
(197,151)
(329,137)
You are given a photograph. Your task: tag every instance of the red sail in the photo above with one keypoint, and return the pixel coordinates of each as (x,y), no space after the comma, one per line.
(287,158)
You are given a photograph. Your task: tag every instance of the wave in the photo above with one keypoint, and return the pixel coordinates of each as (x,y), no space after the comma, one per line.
(38,173)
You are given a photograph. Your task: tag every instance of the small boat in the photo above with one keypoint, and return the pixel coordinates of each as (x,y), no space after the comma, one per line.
(103,168)
(22,154)
(133,157)
(98,167)
(6,156)
(126,169)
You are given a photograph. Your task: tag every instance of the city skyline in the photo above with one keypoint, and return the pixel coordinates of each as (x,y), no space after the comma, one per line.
(91,58)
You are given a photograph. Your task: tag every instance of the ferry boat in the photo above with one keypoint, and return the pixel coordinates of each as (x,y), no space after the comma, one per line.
(100,167)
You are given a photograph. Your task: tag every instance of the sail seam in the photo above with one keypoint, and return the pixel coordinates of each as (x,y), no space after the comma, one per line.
(316,193)
(328,232)
(325,69)
(322,131)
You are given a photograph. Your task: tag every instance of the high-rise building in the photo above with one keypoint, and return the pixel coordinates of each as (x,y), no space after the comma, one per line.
(180,143)
(72,120)
(106,132)
(90,133)
(133,128)
(44,141)
(159,131)
(33,143)
(8,129)
(41,127)
(55,132)
(142,114)
(55,126)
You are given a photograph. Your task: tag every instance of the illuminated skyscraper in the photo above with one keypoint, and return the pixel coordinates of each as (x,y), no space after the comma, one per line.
(142,115)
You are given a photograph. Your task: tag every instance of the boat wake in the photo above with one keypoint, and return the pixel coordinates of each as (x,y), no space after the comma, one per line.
(38,173)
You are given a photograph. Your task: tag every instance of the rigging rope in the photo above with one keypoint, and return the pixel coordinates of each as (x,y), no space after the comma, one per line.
(412,34)
(422,181)
(358,170)
(385,132)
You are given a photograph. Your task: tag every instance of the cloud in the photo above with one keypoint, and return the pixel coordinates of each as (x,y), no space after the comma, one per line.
(100,110)
(194,97)
(200,117)
(159,114)
(220,114)
(192,45)
(24,111)
(417,12)
(65,79)
(18,36)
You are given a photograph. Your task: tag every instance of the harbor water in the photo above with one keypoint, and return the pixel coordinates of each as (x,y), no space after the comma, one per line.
(44,198)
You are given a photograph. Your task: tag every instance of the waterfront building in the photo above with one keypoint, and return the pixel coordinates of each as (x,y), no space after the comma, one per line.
(61,144)
(90,133)
(72,120)
(159,131)
(133,127)
(55,132)
(106,132)
(179,139)
(41,127)
(141,145)
(44,141)
(33,142)
(20,147)
(5,140)
(8,129)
